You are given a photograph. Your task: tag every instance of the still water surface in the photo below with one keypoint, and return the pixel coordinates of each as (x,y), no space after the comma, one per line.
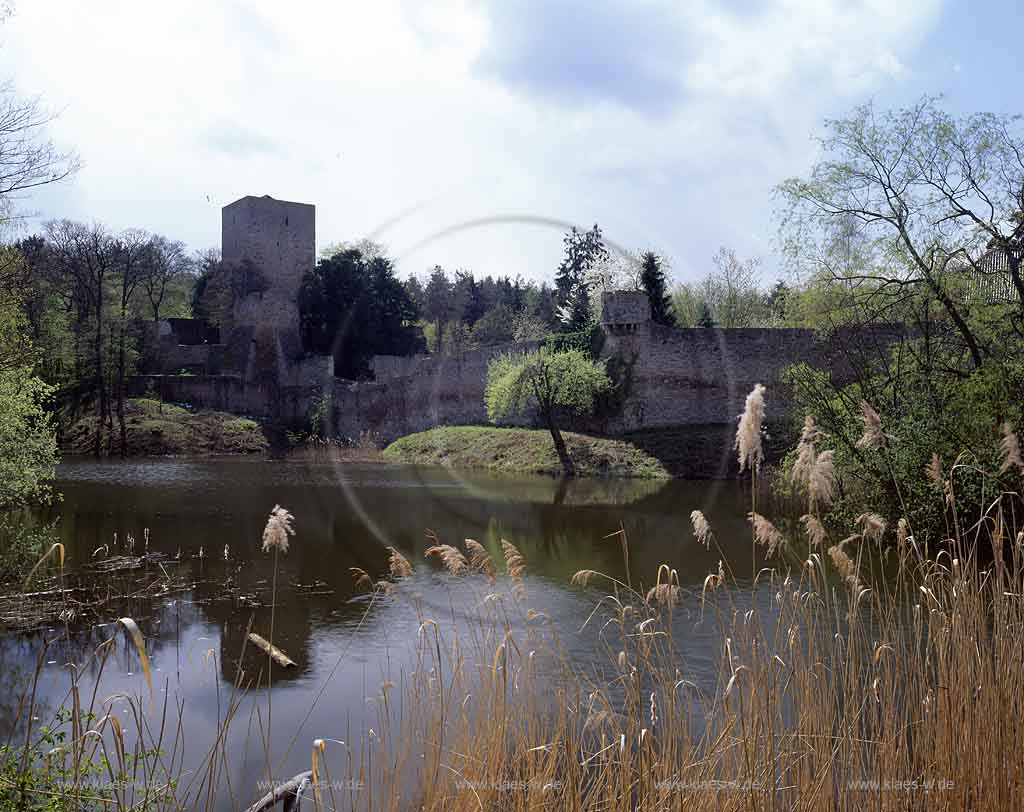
(208,516)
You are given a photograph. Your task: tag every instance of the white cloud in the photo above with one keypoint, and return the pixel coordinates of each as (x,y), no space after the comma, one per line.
(393,119)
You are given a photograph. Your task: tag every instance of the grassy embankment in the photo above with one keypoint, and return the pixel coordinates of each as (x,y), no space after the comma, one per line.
(156,428)
(523,451)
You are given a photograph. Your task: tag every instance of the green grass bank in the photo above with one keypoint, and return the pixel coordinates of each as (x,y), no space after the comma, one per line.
(523,451)
(158,429)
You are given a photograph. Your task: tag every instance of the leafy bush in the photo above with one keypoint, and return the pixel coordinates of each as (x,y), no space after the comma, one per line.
(22,544)
(28,444)
(952,429)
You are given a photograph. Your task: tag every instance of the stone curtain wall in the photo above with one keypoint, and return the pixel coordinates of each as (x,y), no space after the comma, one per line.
(692,377)
(416,393)
(695,377)
(703,375)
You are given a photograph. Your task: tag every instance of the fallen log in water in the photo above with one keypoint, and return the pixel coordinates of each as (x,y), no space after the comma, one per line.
(278,656)
(290,792)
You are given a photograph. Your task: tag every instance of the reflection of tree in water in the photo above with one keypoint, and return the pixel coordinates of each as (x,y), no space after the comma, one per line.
(18,657)
(552,552)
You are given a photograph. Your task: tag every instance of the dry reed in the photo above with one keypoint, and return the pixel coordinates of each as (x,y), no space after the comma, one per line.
(826,694)
(749,446)
(398,564)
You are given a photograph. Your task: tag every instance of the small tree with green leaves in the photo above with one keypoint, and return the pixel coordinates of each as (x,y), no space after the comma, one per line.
(550,385)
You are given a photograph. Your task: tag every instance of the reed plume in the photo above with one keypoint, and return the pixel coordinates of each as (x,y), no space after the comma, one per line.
(479,558)
(814,528)
(277,530)
(515,566)
(765,533)
(361,577)
(872,526)
(714,579)
(749,449)
(873,436)
(902,531)
(663,595)
(583,577)
(821,482)
(453,559)
(398,564)
(701,528)
(805,453)
(846,566)
(812,472)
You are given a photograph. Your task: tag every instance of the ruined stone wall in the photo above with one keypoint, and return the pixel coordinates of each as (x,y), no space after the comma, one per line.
(228,393)
(417,393)
(701,376)
(695,377)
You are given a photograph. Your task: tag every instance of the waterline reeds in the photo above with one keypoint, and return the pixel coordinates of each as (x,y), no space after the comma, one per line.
(834,688)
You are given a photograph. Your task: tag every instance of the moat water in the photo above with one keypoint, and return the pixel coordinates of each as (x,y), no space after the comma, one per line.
(206,519)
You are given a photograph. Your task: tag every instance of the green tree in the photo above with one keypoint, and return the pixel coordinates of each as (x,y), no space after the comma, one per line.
(28,446)
(911,216)
(686,304)
(438,304)
(496,326)
(169,277)
(549,385)
(913,203)
(354,308)
(583,250)
(652,281)
(468,298)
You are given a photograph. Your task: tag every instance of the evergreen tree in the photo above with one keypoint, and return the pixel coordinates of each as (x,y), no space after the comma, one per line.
(583,250)
(354,308)
(414,289)
(438,304)
(652,280)
(778,302)
(468,298)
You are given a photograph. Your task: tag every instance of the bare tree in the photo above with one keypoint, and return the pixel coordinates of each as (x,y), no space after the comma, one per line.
(167,263)
(27,159)
(87,256)
(731,294)
(136,258)
(734,292)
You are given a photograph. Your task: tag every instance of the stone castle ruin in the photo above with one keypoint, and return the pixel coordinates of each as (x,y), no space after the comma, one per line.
(256,364)
(696,377)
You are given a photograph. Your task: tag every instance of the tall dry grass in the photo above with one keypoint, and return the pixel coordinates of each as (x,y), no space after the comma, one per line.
(836,687)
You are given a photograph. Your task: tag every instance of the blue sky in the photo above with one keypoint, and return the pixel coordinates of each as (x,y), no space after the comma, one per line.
(471,132)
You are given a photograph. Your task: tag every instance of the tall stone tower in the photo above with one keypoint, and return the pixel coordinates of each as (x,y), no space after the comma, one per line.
(269,244)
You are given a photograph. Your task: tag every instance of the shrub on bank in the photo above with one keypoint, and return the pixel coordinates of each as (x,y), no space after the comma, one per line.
(953,431)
